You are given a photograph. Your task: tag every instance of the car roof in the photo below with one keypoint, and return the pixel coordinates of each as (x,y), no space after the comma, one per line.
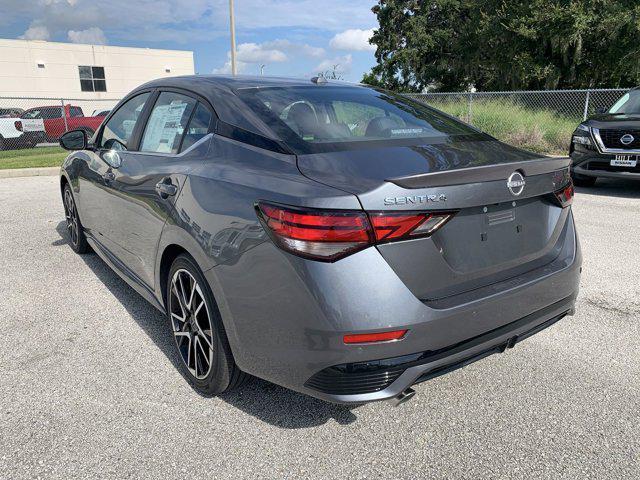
(220,91)
(206,83)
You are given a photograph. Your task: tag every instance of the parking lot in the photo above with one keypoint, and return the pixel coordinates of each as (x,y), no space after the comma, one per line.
(89,384)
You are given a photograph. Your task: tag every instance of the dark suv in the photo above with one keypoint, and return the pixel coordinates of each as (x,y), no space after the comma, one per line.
(607,145)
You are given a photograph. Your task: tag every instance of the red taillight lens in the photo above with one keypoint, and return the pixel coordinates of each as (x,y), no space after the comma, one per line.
(331,235)
(317,226)
(396,226)
(316,234)
(374,337)
(18,125)
(565,195)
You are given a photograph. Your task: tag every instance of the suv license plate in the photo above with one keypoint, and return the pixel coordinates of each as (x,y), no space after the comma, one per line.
(624,161)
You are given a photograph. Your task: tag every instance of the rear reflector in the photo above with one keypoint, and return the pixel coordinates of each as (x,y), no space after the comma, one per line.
(374,337)
(333,234)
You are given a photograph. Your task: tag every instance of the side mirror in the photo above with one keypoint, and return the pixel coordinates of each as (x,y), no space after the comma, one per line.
(74,140)
(601,110)
(112,158)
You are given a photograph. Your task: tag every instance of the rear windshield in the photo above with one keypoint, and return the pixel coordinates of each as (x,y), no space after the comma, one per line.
(324,118)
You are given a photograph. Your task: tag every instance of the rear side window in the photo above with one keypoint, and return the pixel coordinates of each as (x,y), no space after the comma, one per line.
(167,123)
(76,112)
(119,129)
(198,126)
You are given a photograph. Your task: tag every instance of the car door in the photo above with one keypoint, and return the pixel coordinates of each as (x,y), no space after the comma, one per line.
(98,199)
(146,184)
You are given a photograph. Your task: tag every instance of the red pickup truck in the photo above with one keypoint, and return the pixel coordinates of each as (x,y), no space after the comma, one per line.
(55,124)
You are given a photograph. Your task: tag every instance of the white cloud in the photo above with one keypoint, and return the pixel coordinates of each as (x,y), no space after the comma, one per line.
(353,39)
(93,36)
(259,53)
(295,48)
(252,55)
(127,19)
(53,2)
(341,65)
(36,32)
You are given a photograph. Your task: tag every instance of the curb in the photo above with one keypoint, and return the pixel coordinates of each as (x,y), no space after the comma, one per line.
(29,172)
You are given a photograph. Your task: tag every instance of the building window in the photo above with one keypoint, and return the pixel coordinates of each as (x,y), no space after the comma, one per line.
(92,79)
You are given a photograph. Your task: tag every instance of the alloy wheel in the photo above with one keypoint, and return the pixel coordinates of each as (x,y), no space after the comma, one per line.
(191,323)
(71,216)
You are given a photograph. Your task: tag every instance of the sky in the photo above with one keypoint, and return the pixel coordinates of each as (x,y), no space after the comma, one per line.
(289,37)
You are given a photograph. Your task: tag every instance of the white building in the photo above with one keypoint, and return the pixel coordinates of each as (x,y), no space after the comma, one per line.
(92,72)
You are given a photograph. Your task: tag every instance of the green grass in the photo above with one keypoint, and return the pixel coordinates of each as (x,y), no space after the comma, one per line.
(541,131)
(32,157)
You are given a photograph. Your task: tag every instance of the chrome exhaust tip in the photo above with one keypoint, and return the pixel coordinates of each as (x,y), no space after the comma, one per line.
(403,397)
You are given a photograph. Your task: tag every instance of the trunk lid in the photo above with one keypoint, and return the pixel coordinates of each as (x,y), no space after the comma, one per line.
(495,234)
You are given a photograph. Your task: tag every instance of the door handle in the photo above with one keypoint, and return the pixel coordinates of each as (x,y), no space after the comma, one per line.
(165,188)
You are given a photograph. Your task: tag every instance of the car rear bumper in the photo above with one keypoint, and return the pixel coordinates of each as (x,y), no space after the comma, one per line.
(395,375)
(286,317)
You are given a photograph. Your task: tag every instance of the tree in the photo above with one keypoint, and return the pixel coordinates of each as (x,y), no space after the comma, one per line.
(332,74)
(506,45)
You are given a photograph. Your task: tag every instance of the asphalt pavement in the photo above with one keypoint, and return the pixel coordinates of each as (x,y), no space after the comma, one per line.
(89,386)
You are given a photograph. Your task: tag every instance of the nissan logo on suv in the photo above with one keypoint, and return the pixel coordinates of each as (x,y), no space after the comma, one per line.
(516,183)
(627,139)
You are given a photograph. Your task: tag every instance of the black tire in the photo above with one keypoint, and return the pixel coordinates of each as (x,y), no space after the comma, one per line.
(223,374)
(77,238)
(582,181)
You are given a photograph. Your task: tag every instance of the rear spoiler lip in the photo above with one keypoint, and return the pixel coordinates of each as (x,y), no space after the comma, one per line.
(485,173)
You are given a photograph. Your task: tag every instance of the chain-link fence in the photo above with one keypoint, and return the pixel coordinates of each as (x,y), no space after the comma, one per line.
(27,123)
(541,121)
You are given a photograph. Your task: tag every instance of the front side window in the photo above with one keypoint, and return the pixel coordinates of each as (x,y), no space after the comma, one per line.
(119,129)
(628,104)
(167,123)
(323,118)
(92,79)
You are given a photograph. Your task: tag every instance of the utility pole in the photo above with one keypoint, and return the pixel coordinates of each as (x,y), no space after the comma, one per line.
(262,69)
(232,21)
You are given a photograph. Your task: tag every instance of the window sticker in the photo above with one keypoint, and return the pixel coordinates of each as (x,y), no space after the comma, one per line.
(164,127)
(127,127)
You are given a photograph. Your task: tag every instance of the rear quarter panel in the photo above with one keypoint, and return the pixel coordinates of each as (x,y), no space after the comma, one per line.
(216,222)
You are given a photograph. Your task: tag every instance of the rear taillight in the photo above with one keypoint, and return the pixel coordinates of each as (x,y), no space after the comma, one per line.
(401,226)
(316,234)
(334,234)
(18,125)
(565,195)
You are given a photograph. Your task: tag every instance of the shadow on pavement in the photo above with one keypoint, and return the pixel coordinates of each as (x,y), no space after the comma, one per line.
(266,401)
(613,188)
